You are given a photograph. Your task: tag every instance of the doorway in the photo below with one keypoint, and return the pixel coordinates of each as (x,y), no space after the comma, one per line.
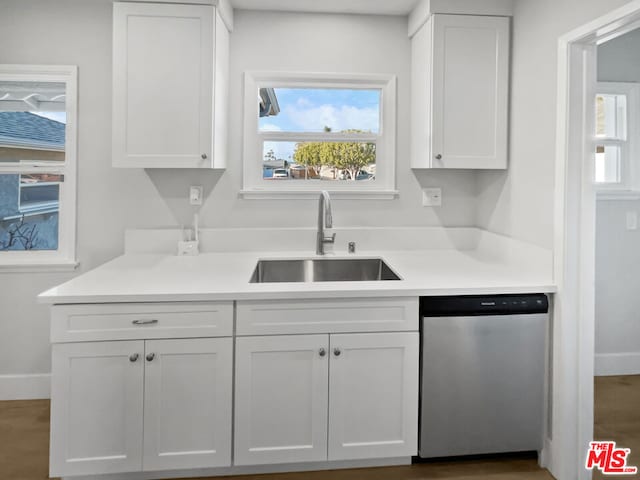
(575,241)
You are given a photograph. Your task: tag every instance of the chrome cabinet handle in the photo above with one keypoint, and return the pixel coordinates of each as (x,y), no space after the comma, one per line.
(322,352)
(133,357)
(204,156)
(150,357)
(337,352)
(438,157)
(145,322)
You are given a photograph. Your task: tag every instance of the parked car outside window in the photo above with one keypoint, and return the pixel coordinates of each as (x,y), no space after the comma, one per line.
(280,173)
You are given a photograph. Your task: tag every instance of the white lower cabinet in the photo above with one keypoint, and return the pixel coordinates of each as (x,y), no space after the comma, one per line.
(187,403)
(96,408)
(128,406)
(150,387)
(326,397)
(373,395)
(281,399)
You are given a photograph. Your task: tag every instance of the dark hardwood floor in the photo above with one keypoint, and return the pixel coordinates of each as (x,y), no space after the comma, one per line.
(24,444)
(617,416)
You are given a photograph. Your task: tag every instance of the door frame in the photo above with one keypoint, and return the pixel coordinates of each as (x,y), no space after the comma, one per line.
(573,350)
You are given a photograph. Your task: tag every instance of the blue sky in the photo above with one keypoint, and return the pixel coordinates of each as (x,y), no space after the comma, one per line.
(58,116)
(309,110)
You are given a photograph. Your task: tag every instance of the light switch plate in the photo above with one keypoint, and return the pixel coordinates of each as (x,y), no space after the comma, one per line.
(195,195)
(632,220)
(431,197)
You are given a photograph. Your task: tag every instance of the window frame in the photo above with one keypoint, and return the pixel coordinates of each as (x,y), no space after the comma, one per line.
(629,166)
(64,258)
(384,186)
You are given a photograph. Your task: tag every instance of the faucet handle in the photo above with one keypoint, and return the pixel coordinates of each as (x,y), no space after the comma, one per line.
(330,239)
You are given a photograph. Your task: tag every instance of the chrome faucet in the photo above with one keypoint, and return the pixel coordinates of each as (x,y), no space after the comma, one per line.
(324,221)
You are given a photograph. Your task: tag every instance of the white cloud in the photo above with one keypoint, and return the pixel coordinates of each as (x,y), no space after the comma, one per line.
(312,119)
(270,127)
(303,103)
(282,150)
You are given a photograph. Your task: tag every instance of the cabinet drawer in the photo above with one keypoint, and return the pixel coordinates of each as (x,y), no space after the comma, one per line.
(124,321)
(275,317)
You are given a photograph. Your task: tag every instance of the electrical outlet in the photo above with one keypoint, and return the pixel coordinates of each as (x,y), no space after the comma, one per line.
(431,197)
(195,195)
(632,220)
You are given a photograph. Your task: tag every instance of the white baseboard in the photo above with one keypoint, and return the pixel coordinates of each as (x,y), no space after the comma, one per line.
(251,469)
(617,364)
(25,387)
(545,456)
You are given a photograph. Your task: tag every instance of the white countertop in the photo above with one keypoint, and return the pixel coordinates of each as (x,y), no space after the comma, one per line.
(140,277)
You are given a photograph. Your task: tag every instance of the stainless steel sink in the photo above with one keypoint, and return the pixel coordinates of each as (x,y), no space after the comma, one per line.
(323,270)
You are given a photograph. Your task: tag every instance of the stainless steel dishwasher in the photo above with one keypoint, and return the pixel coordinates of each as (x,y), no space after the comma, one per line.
(482,374)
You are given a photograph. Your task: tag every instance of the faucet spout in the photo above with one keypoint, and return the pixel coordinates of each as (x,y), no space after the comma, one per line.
(325,220)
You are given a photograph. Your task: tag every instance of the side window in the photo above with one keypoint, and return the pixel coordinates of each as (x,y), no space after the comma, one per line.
(310,132)
(616,162)
(37,166)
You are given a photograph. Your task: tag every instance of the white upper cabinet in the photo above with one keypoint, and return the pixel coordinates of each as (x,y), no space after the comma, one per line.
(170,68)
(460,91)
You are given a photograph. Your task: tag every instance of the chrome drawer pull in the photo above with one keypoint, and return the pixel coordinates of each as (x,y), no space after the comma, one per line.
(144,322)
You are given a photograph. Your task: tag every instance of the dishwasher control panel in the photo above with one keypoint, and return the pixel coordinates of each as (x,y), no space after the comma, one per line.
(471,305)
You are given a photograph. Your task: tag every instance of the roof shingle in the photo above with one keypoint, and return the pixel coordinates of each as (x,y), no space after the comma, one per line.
(30,130)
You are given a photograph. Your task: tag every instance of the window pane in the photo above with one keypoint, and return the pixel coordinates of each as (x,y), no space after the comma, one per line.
(607,164)
(329,161)
(29,206)
(32,122)
(319,110)
(611,116)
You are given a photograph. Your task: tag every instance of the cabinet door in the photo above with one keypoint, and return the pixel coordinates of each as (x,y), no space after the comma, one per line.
(281,399)
(96,408)
(373,395)
(470,75)
(187,403)
(162,85)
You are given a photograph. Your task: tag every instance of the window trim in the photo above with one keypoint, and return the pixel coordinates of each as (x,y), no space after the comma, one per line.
(629,161)
(253,184)
(64,258)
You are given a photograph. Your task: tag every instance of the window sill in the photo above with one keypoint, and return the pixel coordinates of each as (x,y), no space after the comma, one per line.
(618,195)
(39,266)
(313,194)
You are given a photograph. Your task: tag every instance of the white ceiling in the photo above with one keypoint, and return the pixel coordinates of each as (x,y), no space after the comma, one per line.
(374,7)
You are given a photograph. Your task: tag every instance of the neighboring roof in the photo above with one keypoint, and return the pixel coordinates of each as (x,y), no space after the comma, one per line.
(25,129)
(274,163)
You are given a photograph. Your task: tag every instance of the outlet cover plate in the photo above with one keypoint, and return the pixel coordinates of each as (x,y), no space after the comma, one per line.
(431,197)
(195,195)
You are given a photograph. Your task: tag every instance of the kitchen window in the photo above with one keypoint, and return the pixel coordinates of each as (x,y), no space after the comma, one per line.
(616,161)
(309,132)
(37,167)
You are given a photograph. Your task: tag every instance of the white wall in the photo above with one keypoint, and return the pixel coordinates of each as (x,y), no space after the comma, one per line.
(332,43)
(618,249)
(617,280)
(78,32)
(519,202)
(619,59)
